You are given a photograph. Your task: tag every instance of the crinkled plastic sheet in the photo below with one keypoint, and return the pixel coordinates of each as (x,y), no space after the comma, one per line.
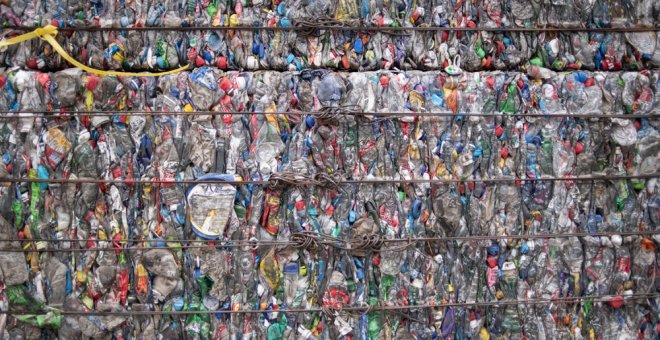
(248,146)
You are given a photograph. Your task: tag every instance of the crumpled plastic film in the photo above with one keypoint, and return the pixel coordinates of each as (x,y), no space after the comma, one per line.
(141,239)
(343,50)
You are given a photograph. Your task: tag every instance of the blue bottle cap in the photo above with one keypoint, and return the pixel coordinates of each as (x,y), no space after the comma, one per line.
(493,250)
(281,8)
(310,121)
(358,46)
(178,303)
(255,48)
(207,56)
(351,217)
(417,209)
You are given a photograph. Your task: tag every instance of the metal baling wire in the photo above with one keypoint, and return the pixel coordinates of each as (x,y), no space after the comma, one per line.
(329,309)
(344,109)
(282,180)
(312,26)
(310,240)
(321,181)
(305,26)
(331,114)
(325,113)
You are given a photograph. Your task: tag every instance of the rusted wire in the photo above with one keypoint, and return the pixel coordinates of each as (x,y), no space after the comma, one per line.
(336,182)
(306,26)
(501,303)
(326,113)
(306,240)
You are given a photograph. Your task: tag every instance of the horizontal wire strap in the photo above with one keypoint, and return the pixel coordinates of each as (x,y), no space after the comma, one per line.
(326,309)
(323,114)
(306,240)
(306,26)
(337,181)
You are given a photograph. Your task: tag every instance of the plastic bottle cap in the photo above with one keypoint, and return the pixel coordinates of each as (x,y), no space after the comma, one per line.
(222,63)
(499,131)
(616,302)
(505,152)
(357,46)
(233,20)
(578,148)
(241,83)
(225,84)
(384,81)
(310,121)
(492,261)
